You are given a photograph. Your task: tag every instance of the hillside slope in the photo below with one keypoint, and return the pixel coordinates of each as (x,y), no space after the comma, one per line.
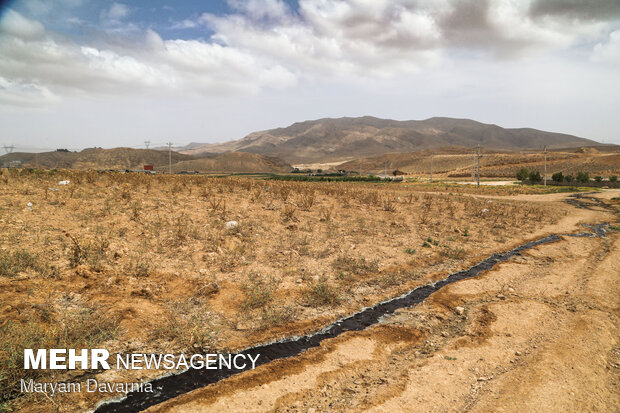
(346,138)
(234,162)
(95,158)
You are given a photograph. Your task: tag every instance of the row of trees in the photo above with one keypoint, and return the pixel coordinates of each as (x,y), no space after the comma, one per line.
(525,174)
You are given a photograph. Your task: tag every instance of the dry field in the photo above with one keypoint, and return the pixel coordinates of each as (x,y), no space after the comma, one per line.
(145,263)
(492,165)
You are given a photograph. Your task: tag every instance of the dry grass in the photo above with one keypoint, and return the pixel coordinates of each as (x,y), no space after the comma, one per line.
(154,252)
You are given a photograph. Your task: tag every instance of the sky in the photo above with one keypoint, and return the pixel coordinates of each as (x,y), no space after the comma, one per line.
(84,73)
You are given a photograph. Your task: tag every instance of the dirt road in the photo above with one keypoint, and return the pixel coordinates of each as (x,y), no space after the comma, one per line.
(539,332)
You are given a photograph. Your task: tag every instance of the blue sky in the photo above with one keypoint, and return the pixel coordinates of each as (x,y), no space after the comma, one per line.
(81,18)
(79,73)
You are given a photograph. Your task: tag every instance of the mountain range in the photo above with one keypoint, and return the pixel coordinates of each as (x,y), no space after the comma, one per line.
(329,139)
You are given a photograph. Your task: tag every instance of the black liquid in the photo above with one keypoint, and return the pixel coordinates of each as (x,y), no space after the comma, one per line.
(174,385)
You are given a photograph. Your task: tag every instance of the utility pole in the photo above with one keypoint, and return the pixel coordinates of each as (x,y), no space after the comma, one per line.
(479,155)
(147,143)
(9,149)
(545,177)
(170,158)
(473,166)
(431,167)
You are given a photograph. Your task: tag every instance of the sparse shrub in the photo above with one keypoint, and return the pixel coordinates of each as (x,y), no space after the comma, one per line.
(389,205)
(275,316)
(258,292)
(284,192)
(583,177)
(288,213)
(12,264)
(426,244)
(320,294)
(85,328)
(306,200)
(189,326)
(454,253)
(358,266)
(139,267)
(326,214)
(557,177)
(410,251)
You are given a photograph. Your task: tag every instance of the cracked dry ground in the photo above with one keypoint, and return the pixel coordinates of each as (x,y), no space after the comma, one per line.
(539,332)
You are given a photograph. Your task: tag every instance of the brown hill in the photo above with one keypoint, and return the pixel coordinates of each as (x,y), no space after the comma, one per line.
(329,139)
(95,158)
(234,162)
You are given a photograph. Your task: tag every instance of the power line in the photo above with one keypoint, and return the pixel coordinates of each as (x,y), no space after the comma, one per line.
(147,143)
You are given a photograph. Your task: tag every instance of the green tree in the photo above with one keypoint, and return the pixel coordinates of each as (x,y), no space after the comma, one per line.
(523,174)
(583,177)
(598,178)
(613,178)
(569,178)
(535,176)
(557,177)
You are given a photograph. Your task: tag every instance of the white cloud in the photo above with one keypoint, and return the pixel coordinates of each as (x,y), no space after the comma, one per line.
(266,44)
(608,52)
(185,24)
(15,93)
(32,60)
(16,25)
(261,9)
(116,12)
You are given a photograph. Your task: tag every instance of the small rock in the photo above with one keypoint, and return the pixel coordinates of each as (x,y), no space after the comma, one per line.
(232,224)
(517,353)
(510,289)
(312,410)
(444,334)
(459,310)
(501,296)
(298,281)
